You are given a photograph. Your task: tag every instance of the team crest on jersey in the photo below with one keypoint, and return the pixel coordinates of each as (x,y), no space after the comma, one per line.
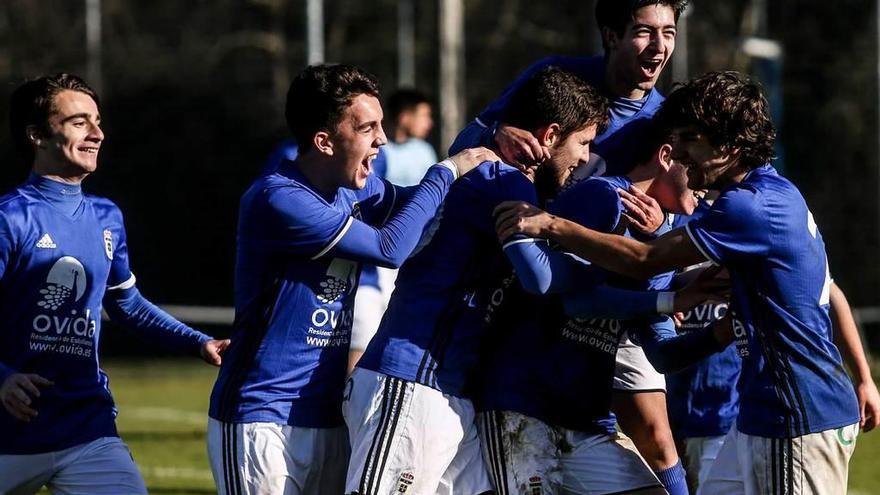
(535,485)
(108,244)
(404,481)
(66,280)
(340,278)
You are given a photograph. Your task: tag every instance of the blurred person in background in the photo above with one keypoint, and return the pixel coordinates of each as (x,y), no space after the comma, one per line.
(63,256)
(409,155)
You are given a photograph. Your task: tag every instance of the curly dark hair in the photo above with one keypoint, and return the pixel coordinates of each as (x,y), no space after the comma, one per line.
(729,109)
(615,14)
(33,103)
(553,95)
(318,96)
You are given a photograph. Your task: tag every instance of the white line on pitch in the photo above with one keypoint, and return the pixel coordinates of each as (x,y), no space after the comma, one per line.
(189,418)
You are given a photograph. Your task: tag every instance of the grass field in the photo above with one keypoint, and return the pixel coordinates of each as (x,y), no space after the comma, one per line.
(162,417)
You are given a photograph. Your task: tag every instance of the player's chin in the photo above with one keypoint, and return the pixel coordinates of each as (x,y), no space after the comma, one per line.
(359,182)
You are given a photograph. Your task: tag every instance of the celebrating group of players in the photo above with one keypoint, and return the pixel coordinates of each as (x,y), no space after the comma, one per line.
(523,351)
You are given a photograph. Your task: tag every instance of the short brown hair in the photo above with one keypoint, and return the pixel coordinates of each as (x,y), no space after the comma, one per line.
(553,95)
(318,96)
(729,109)
(33,103)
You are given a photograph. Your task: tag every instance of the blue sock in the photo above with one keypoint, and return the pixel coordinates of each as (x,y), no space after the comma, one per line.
(674,479)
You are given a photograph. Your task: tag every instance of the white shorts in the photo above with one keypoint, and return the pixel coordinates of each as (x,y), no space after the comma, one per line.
(369,306)
(633,372)
(102,466)
(409,438)
(268,458)
(699,455)
(525,455)
(814,464)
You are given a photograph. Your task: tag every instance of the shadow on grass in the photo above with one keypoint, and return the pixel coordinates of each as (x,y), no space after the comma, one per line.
(161,436)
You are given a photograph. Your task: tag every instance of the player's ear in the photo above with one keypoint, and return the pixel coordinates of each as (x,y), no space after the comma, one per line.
(35,136)
(323,143)
(664,156)
(609,38)
(548,135)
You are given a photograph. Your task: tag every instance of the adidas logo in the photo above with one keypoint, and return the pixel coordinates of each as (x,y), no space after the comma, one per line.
(46,242)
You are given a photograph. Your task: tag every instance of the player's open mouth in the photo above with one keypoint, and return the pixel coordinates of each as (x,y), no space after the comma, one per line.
(89,150)
(367,164)
(699,194)
(651,67)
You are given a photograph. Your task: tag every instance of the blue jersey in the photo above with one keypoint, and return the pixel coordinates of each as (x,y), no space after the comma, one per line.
(297,265)
(288,151)
(57,259)
(703,400)
(612,152)
(433,327)
(793,381)
(552,367)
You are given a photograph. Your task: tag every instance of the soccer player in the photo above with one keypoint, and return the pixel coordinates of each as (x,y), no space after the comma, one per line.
(548,377)
(374,285)
(799,415)
(638,37)
(63,256)
(408,408)
(704,400)
(275,423)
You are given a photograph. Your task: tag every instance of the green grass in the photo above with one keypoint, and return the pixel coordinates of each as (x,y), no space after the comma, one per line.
(163,416)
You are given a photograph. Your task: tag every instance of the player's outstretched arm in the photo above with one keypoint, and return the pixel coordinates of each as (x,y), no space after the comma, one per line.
(613,252)
(128,307)
(848,339)
(392,243)
(17,392)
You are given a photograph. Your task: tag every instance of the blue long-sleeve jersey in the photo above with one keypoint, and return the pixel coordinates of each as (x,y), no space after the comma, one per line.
(433,329)
(793,382)
(62,255)
(297,264)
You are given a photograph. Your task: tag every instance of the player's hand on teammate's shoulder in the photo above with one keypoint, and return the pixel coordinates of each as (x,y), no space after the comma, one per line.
(212,351)
(519,217)
(711,284)
(467,160)
(18,391)
(643,211)
(869,404)
(519,147)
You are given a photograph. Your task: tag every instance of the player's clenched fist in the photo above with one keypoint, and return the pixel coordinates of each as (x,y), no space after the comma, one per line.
(517,217)
(468,159)
(17,391)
